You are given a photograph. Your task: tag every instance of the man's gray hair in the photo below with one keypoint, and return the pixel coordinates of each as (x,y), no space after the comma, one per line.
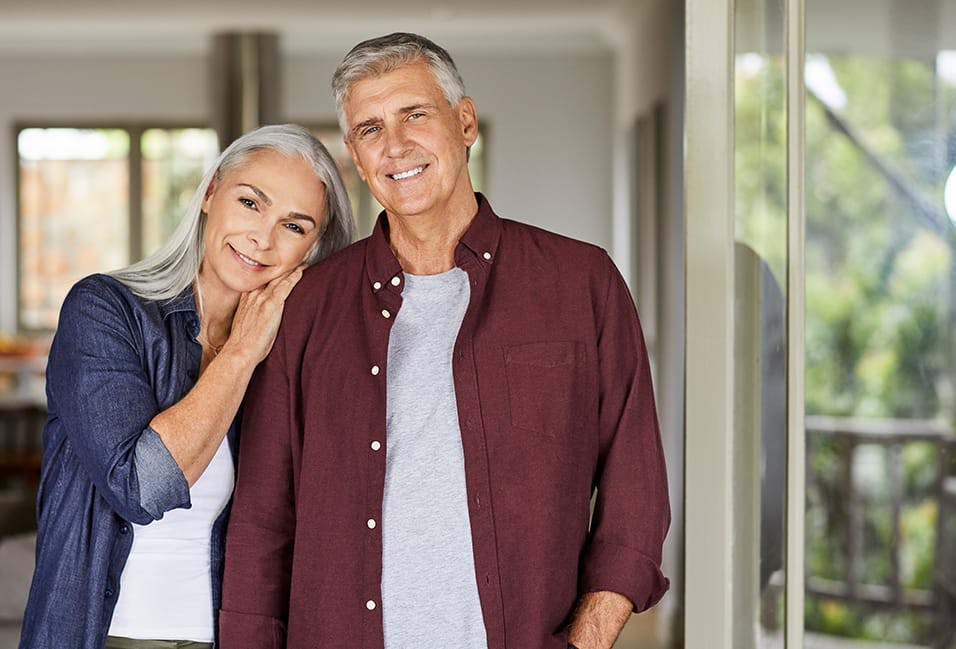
(381,55)
(167,272)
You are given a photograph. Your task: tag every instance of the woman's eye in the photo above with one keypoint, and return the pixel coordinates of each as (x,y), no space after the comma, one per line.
(295,227)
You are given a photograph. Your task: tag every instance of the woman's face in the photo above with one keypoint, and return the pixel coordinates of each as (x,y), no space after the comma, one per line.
(263,219)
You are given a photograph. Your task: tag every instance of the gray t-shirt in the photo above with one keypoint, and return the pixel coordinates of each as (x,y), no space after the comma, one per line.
(429,589)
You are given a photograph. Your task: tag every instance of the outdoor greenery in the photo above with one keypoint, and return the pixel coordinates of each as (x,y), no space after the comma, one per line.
(879,327)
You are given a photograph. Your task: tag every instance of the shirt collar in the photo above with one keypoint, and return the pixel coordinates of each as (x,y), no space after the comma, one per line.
(480,239)
(182,302)
(482,236)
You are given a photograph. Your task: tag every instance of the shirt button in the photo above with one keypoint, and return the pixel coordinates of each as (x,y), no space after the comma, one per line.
(396,280)
(109,592)
(370,604)
(371,523)
(377,285)
(376,445)
(487,256)
(375,370)
(124,529)
(386,313)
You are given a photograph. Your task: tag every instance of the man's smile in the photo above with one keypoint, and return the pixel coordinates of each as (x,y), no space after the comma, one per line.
(409,173)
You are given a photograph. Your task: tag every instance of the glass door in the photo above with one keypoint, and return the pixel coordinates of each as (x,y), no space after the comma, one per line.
(881,323)
(821,324)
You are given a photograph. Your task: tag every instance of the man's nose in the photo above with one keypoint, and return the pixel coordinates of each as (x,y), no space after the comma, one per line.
(397,142)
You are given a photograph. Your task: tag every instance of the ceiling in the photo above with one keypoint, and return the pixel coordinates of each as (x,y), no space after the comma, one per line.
(304,25)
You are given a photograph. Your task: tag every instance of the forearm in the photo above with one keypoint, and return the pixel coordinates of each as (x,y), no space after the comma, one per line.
(194,427)
(598,620)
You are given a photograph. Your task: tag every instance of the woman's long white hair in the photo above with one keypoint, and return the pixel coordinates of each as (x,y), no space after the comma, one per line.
(170,270)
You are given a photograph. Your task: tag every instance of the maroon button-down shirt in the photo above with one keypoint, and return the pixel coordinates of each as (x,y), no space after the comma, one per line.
(554,400)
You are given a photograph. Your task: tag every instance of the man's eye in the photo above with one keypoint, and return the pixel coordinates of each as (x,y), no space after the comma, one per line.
(248,202)
(371,130)
(416,115)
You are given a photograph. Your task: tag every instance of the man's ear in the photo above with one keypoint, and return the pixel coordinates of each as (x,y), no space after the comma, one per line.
(355,159)
(468,117)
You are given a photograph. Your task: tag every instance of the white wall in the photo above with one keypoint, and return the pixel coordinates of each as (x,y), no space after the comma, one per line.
(650,72)
(549,117)
(549,137)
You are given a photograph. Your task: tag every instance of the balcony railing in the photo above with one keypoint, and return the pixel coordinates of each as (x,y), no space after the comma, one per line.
(849,436)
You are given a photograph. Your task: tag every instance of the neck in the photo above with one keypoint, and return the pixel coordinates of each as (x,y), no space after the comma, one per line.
(215,308)
(426,245)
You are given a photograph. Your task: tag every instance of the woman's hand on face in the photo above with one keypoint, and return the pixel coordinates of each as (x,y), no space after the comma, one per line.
(257,318)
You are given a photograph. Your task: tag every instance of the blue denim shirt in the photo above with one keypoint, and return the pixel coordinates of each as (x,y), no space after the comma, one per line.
(116,361)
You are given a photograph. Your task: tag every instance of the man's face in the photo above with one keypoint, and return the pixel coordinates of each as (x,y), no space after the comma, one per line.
(409,144)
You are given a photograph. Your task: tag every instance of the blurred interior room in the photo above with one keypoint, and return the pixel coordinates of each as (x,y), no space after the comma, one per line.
(774,179)
(110,114)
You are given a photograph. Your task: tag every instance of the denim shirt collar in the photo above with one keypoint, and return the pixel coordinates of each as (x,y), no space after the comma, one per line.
(184,302)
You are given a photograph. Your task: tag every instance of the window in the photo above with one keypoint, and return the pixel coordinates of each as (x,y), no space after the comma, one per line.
(95,199)
(877,256)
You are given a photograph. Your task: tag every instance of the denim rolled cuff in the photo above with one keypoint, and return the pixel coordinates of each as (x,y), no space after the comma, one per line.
(623,570)
(162,485)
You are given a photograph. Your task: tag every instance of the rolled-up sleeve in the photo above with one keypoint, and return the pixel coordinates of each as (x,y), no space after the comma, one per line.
(161,480)
(632,511)
(101,392)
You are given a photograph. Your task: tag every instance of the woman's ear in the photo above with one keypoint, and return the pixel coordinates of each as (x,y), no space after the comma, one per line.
(311,252)
(208,197)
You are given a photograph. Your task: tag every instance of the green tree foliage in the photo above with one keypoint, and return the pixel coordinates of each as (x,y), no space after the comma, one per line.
(878,283)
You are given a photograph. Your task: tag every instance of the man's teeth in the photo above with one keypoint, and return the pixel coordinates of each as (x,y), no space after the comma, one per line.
(409,173)
(251,262)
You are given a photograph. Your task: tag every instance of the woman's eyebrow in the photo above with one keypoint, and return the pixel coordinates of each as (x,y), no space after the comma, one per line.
(258,192)
(268,201)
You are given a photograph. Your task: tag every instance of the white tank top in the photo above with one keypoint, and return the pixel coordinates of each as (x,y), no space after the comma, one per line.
(166,587)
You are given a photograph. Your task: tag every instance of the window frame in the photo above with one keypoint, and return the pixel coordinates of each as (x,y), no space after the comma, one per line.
(135,130)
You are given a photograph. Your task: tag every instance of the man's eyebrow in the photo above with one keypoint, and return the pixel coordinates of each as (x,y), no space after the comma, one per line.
(258,192)
(404,110)
(414,107)
(371,121)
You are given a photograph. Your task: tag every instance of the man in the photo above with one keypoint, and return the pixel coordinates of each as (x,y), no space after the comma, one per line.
(422,444)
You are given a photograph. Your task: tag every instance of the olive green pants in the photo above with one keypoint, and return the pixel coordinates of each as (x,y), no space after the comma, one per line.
(114,642)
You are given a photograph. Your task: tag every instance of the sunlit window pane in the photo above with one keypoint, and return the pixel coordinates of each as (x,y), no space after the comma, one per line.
(879,343)
(760,333)
(174,161)
(74,216)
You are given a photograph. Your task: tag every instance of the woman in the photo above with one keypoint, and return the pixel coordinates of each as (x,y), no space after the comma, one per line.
(145,378)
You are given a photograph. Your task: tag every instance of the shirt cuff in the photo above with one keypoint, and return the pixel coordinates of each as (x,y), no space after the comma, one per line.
(250,631)
(162,485)
(623,570)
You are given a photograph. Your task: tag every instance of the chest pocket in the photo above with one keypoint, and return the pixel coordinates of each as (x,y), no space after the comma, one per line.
(542,381)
